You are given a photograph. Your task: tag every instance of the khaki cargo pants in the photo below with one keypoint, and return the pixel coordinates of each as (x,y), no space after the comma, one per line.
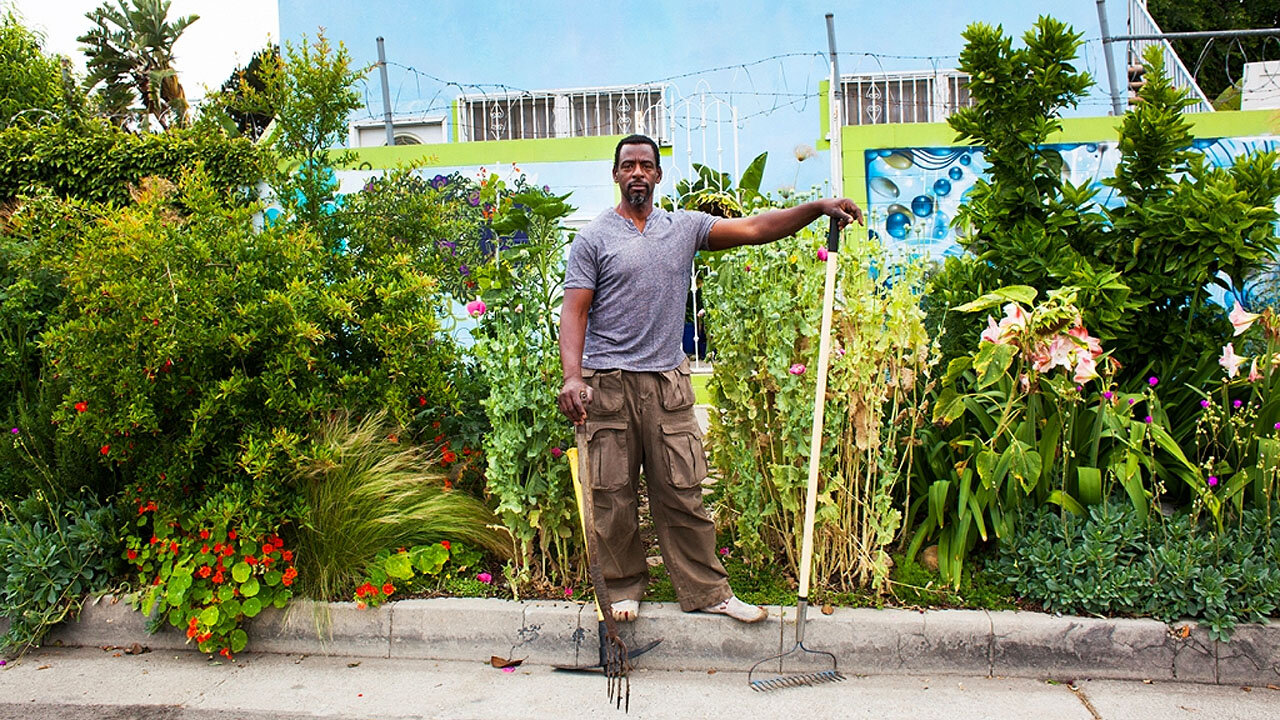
(645,419)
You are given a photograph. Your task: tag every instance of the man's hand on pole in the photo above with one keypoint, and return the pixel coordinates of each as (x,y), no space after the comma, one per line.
(574,398)
(843,210)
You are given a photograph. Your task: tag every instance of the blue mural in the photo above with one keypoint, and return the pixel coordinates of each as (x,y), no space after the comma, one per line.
(913,193)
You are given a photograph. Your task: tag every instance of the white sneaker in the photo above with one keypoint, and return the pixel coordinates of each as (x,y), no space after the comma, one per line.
(625,610)
(738,610)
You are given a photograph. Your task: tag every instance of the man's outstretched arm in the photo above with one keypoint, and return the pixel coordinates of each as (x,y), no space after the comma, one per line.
(777,224)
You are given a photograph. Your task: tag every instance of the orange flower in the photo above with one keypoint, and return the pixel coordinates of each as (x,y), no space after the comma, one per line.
(287,555)
(388,588)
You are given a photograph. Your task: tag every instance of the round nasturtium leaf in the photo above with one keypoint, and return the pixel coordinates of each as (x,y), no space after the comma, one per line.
(241,571)
(175,617)
(209,616)
(239,639)
(282,598)
(249,587)
(272,577)
(225,593)
(251,607)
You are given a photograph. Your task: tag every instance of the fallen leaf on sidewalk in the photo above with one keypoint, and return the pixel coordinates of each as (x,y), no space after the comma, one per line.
(354,664)
(1246,688)
(44,667)
(503,663)
(1273,687)
(827,609)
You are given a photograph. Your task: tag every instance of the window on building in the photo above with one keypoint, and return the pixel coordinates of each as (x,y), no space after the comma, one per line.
(910,97)
(585,112)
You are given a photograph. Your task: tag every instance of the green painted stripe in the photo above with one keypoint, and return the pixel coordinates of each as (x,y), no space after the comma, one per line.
(480,153)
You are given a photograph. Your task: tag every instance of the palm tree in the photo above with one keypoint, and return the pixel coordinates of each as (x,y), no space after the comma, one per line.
(130,51)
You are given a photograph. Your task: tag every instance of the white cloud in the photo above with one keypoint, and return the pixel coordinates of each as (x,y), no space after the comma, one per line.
(226,36)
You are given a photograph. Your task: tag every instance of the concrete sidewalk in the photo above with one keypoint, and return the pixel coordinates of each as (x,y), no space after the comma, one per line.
(89,683)
(865,641)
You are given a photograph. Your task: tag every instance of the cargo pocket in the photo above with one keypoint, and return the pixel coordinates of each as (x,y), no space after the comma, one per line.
(685,457)
(608,450)
(606,387)
(675,388)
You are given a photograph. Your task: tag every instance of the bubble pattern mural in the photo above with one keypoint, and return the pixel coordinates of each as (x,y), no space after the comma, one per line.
(914,193)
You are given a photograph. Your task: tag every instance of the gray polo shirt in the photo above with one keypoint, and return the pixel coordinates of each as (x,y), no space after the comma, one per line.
(641,282)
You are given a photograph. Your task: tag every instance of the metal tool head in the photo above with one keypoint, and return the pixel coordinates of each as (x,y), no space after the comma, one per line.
(762,680)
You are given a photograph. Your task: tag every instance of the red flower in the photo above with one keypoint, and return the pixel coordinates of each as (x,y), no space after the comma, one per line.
(267,549)
(206,571)
(173,548)
(156,581)
(204,549)
(388,589)
(422,400)
(439,438)
(231,534)
(228,551)
(217,577)
(250,561)
(225,652)
(154,540)
(449,457)
(105,449)
(204,534)
(82,406)
(191,632)
(287,581)
(293,573)
(267,560)
(132,555)
(277,542)
(446,544)
(287,555)
(193,622)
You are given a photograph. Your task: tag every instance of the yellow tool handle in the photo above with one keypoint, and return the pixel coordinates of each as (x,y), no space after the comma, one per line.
(578,468)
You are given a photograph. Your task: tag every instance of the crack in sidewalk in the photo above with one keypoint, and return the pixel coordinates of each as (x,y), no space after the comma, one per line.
(1084,700)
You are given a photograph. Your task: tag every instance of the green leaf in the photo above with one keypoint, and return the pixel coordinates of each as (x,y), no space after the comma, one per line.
(272,577)
(991,362)
(241,571)
(1024,464)
(398,566)
(209,616)
(1023,294)
(1058,497)
(429,559)
(239,639)
(1089,482)
(249,587)
(948,406)
(282,598)
(251,607)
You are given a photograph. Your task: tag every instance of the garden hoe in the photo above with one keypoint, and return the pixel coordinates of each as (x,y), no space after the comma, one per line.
(615,659)
(767,680)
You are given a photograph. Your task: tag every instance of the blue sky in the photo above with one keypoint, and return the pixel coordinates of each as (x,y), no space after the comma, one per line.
(540,45)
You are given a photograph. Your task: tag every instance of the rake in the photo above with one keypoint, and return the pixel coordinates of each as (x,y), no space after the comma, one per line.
(775,681)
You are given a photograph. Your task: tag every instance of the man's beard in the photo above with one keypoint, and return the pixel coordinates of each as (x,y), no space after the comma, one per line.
(638,198)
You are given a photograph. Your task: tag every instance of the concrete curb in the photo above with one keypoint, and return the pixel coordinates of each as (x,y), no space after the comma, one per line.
(865,641)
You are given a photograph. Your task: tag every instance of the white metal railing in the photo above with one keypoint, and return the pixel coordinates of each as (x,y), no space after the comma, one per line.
(1141,23)
(903,97)
(584,112)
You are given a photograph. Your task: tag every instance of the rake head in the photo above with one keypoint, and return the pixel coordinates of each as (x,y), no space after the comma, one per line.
(767,681)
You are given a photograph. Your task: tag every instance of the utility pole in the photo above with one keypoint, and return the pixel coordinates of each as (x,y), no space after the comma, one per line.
(386,92)
(1117,106)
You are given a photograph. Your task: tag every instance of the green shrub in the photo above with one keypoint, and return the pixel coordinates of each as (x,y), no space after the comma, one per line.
(1113,563)
(95,162)
(54,555)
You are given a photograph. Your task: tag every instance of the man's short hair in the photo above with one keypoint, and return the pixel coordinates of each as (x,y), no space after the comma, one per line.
(637,140)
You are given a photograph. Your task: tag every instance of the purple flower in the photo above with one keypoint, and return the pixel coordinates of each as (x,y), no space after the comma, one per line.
(1130,401)
(1205,404)
(1213,480)
(14,430)
(1108,395)
(546,188)
(797,369)
(1278,426)
(1147,419)
(464,270)
(1236,404)
(1153,381)
(474,199)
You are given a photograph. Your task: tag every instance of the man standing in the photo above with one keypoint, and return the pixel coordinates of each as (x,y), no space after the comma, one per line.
(626,377)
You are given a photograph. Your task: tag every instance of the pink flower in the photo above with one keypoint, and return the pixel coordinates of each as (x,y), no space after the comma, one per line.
(992,333)
(508,669)
(1241,320)
(568,592)
(1060,351)
(1254,375)
(1041,361)
(1230,361)
(724,551)
(1090,343)
(556,452)
(797,369)
(1213,480)
(476,308)
(1086,369)
(485,578)
(823,254)
(1153,381)
(1015,318)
